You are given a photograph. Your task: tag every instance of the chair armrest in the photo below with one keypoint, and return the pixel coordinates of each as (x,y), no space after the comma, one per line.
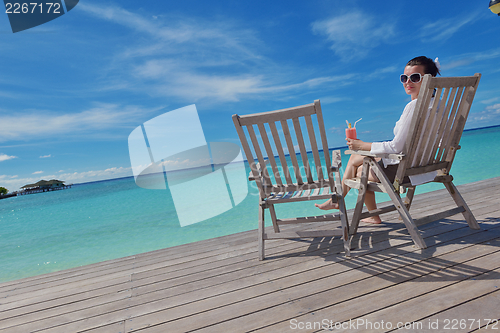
(336,160)
(367,153)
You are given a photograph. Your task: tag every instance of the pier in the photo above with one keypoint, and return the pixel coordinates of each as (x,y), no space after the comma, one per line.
(41,190)
(43,186)
(219,285)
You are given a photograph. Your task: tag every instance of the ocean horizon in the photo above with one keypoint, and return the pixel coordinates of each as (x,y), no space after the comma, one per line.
(246,160)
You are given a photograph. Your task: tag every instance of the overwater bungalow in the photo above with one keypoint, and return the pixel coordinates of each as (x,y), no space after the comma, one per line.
(44,186)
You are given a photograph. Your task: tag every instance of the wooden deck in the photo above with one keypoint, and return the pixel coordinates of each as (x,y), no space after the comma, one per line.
(219,285)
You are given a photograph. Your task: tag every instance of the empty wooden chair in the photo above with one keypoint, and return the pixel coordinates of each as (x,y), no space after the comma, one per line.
(284,175)
(438,121)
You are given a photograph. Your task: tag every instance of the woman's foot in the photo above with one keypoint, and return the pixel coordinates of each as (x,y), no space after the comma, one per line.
(372,220)
(327,205)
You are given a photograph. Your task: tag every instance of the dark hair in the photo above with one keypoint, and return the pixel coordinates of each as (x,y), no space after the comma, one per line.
(429,65)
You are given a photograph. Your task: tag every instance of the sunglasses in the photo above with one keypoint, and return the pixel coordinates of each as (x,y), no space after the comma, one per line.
(415,78)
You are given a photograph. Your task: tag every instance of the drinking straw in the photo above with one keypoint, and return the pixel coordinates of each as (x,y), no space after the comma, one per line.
(356,122)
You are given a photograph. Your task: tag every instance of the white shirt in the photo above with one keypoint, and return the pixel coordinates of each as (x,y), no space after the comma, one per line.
(396,145)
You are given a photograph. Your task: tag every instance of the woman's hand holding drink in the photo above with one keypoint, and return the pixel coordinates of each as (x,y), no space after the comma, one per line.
(350,132)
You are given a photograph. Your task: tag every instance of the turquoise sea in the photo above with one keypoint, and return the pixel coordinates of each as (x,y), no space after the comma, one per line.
(93,222)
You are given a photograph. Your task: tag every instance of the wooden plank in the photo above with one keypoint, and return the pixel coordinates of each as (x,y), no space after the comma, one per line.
(439,216)
(428,134)
(319,292)
(480,312)
(281,153)
(291,150)
(438,122)
(463,113)
(260,157)
(447,101)
(454,293)
(248,153)
(296,187)
(324,143)
(270,153)
(314,148)
(385,287)
(273,116)
(448,130)
(303,153)
(415,129)
(229,267)
(440,82)
(427,168)
(319,218)
(303,234)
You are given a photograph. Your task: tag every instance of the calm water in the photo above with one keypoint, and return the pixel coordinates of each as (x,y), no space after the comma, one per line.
(93,222)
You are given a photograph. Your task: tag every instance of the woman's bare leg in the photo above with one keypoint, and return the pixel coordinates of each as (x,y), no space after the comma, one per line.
(353,169)
(370,202)
(350,172)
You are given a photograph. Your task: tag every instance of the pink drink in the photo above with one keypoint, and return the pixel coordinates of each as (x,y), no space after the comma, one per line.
(350,133)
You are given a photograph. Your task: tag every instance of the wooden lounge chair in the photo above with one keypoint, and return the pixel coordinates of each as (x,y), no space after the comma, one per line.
(433,139)
(298,177)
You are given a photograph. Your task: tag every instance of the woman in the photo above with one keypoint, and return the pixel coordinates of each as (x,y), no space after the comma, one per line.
(412,80)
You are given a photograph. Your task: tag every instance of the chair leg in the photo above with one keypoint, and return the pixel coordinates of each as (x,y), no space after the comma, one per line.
(273,218)
(398,203)
(345,227)
(340,200)
(361,196)
(455,194)
(261,233)
(409,197)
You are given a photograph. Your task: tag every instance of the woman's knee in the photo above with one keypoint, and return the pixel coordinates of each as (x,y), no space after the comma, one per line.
(355,160)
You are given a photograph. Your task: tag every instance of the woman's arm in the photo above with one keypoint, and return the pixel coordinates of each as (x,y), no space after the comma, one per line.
(359,145)
(396,145)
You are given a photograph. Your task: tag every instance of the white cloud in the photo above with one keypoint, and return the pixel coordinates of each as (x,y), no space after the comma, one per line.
(215,42)
(443,29)
(4,157)
(102,116)
(355,34)
(46,156)
(37,172)
(491,100)
(191,85)
(469,58)
(196,59)
(490,115)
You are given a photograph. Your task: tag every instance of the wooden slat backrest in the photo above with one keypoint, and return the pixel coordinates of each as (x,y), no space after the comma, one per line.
(267,126)
(437,124)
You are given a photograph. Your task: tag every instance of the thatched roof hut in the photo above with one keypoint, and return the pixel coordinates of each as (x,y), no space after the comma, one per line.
(45,184)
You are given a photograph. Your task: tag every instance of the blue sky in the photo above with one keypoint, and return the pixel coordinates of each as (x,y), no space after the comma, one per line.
(73,89)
